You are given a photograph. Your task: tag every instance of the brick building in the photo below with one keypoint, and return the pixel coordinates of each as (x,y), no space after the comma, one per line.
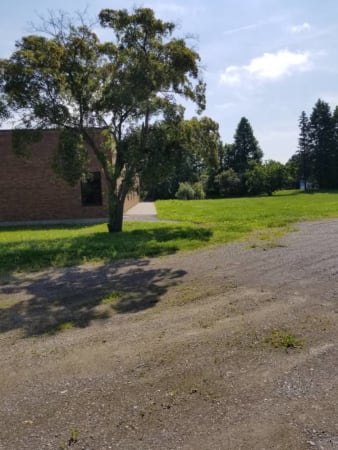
(30,190)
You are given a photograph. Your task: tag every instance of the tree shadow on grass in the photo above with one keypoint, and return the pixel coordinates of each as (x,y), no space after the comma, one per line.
(65,251)
(73,297)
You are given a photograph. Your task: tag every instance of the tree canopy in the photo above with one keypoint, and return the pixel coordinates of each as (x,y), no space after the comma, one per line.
(193,145)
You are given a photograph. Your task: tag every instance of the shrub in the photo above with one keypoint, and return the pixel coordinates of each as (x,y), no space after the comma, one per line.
(229,183)
(185,192)
(199,193)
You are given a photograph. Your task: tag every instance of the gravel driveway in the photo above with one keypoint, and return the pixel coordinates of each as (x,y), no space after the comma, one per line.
(190,355)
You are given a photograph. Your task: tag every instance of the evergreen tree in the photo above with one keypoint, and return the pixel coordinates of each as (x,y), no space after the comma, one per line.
(245,148)
(335,145)
(322,145)
(226,157)
(304,148)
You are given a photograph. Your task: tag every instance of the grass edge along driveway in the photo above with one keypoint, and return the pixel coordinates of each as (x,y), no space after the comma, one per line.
(199,223)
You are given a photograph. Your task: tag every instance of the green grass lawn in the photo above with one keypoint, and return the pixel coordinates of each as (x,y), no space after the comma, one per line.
(34,248)
(200,223)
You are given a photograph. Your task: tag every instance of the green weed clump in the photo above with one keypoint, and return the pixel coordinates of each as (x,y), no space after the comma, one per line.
(283,339)
(113,297)
(64,326)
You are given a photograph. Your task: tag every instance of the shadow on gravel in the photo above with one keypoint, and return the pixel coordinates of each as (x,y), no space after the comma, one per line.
(76,296)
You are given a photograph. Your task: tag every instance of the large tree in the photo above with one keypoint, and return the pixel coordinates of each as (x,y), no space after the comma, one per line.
(71,81)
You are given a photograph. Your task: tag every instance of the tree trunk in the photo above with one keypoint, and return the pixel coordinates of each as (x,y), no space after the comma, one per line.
(115,208)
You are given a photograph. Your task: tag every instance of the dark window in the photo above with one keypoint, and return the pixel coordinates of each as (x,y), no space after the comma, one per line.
(91,193)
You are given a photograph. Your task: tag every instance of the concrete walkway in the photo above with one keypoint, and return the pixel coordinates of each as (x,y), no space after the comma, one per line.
(142,212)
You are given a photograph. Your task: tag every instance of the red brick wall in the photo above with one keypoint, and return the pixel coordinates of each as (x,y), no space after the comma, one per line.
(30,190)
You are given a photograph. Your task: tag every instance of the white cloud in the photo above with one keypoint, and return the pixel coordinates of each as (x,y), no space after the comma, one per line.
(269,66)
(299,28)
(275,65)
(231,75)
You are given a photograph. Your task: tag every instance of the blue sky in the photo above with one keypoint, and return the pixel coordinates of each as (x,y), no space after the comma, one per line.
(266,60)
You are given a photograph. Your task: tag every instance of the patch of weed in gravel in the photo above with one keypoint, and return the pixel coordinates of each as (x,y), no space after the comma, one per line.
(283,339)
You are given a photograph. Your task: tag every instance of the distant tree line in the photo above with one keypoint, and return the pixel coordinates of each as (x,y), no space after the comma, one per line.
(315,164)
(205,166)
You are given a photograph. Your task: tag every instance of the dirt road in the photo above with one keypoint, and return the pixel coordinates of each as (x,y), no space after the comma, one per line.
(232,347)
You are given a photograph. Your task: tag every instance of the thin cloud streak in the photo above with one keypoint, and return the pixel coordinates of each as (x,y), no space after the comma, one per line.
(252,26)
(299,28)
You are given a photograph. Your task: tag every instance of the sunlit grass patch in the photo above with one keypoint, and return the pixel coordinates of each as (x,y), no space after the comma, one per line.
(64,326)
(113,297)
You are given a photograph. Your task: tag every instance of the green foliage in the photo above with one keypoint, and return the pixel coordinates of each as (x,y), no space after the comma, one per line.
(225,155)
(322,145)
(181,151)
(4,111)
(71,158)
(228,183)
(316,161)
(275,176)
(265,178)
(245,149)
(185,192)
(304,149)
(238,164)
(63,326)
(113,297)
(165,163)
(293,171)
(255,179)
(199,193)
(202,139)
